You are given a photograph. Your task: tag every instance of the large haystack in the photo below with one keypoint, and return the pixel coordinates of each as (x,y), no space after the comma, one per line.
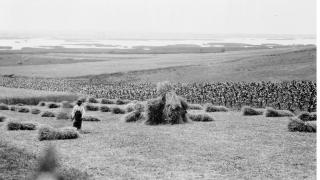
(168,108)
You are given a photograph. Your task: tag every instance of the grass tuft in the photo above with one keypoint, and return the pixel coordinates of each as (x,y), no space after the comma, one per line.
(249,111)
(271,112)
(50,133)
(296,124)
(211,108)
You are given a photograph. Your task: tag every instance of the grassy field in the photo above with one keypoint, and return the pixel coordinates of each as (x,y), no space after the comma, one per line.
(245,65)
(231,147)
(33,97)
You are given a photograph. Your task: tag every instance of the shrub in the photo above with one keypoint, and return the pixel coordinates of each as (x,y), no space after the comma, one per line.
(211,108)
(133,116)
(121,102)
(248,111)
(270,112)
(106,101)
(20,126)
(53,105)
(201,117)
(35,111)
(92,100)
(2,118)
(48,114)
(42,103)
(66,104)
(296,124)
(13,108)
(105,109)
(63,115)
(91,107)
(117,110)
(195,106)
(23,109)
(90,118)
(50,133)
(4,107)
(306,116)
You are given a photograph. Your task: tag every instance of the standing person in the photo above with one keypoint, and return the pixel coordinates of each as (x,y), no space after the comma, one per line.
(77,113)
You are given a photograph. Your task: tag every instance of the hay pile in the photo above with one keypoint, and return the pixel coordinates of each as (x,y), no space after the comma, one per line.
(66,104)
(249,111)
(271,112)
(23,109)
(107,101)
(13,108)
(296,124)
(135,106)
(4,107)
(90,118)
(195,106)
(63,115)
(51,133)
(93,100)
(203,117)
(12,125)
(2,118)
(169,108)
(53,105)
(306,116)
(122,102)
(90,107)
(105,109)
(42,103)
(48,114)
(211,108)
(35,111)
(117,110)
(134,116)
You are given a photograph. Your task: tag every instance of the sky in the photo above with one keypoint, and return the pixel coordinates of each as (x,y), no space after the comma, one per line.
(160,16)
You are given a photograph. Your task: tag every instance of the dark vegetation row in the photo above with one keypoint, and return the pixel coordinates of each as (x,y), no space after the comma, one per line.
(290,95)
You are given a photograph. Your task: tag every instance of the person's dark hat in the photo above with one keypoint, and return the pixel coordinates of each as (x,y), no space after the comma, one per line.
(79,102)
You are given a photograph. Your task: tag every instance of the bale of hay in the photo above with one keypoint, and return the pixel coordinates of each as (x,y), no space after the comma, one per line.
(66,104)
(50,133)
(42,103)
(48,114)
(135,106)
(63,115)
(271,112)
(154,111)
(12,125)
(133,116)
(91,107)
(249,111)
(296,124)
(163,88)
(306,116)
(92,100)
(4,107)
(130,107)
(117,110)
(211,108)
(90,118)
(35,111)
(13,108)
(175,109)
(107,101)
(23,110)
(122,102)
(53,105)
(195,106)
(2,118)
(203,117)
(105,109)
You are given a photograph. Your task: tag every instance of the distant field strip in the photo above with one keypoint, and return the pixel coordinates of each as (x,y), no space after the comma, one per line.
(32,97)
